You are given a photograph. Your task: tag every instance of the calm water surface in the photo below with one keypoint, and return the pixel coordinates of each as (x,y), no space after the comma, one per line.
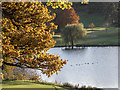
(94,66)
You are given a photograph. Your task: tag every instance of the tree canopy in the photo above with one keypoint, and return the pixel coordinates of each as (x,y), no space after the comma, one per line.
(73,32)
(26,36)
(67,16)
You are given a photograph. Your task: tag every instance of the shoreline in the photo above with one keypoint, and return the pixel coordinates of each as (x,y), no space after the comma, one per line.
(77,46)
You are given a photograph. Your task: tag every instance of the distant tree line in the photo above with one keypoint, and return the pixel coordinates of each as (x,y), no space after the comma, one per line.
(109,9)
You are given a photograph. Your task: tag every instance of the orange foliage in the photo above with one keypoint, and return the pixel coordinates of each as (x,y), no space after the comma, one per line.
(26,37)
(67,16)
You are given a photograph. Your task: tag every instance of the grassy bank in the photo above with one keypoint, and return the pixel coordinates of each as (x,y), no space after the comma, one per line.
(29,84)
(97,37)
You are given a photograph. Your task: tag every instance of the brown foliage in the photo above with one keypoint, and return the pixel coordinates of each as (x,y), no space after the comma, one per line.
(67,16)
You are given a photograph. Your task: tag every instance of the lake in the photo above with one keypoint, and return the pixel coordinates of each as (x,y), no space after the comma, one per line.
(92,66)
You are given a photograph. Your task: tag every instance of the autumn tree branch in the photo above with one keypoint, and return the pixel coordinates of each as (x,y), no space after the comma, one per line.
(17,65)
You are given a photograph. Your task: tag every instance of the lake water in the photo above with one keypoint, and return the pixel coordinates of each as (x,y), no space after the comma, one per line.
(93,66)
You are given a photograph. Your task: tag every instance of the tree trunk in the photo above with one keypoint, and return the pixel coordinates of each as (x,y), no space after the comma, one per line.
(72,44)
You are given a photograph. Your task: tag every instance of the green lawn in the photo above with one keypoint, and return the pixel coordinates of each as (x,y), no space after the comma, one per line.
(36,85)
(102,37)
(29,84)
(98,37)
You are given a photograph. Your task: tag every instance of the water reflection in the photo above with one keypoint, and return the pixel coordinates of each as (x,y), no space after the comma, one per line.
(95,66)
